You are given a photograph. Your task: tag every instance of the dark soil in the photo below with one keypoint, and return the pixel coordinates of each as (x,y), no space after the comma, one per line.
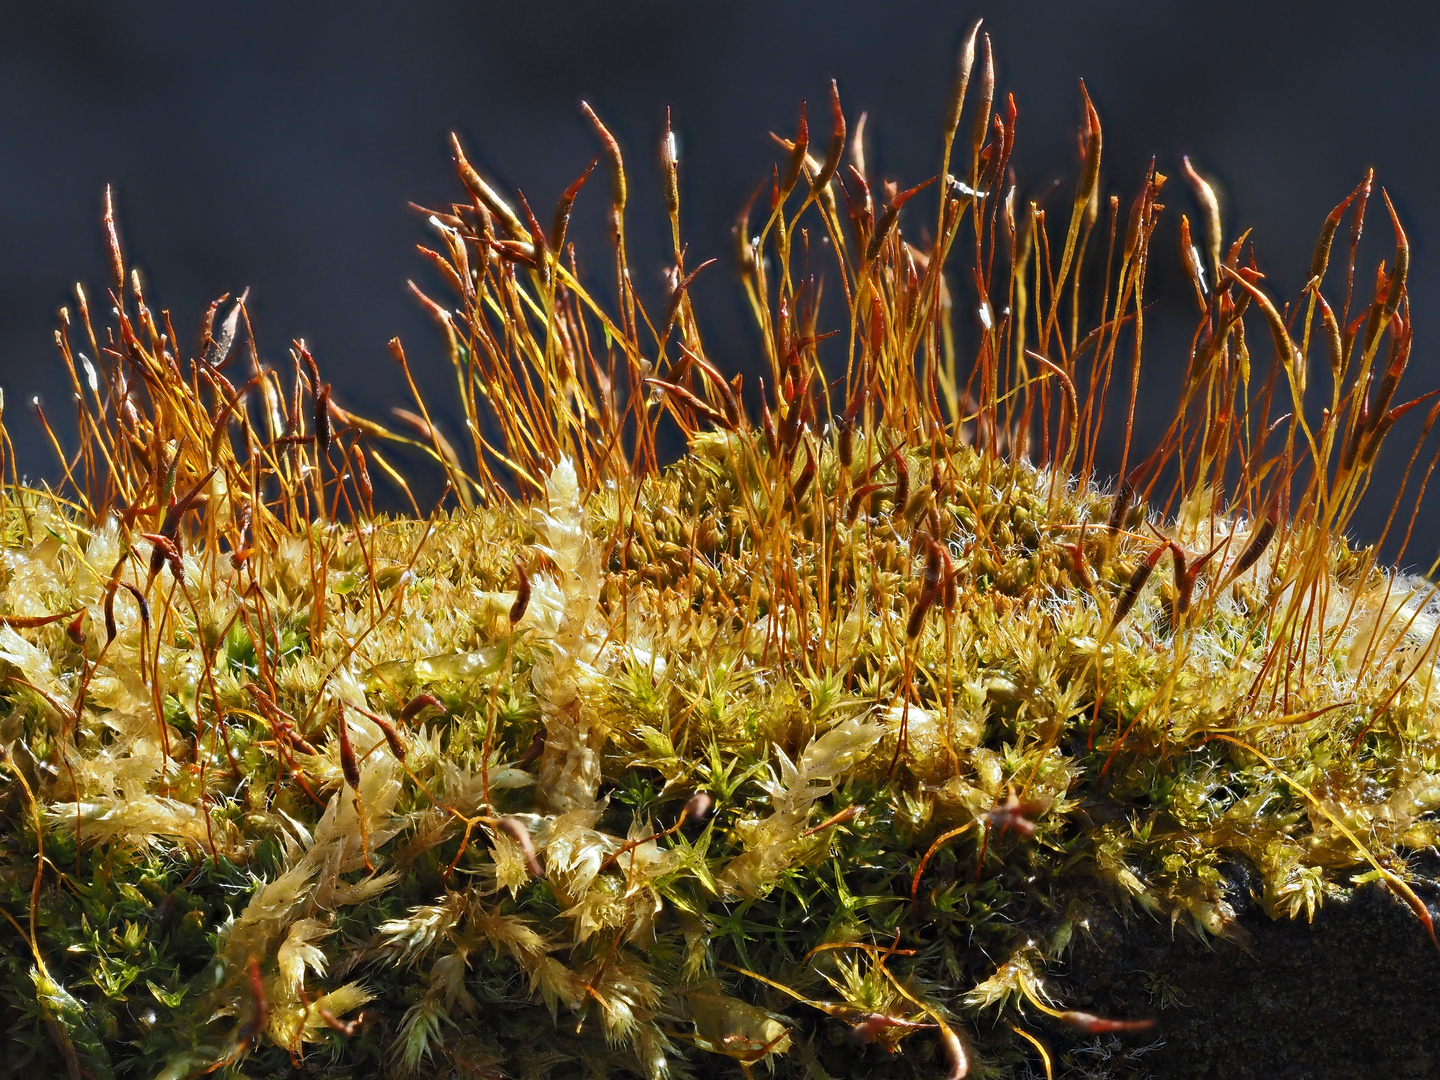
(1353,994)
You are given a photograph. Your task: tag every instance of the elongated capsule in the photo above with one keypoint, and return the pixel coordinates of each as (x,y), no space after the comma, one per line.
(797,156)
(932,561)
(888,217)
(362,476)
(140,601)
(533,751)
(560,223)
(1192,262)
(323,430)
(110,614)
(522,594)
(1260,539)
(1137,582)
(617,174)
(837,142)
(1399,359)
(863,492)
(981,124)
(921,609)
(1120,506)
(669,169)
(392,738)
(772,441)
(1090,179)
(420,701)
(1382,429)
(348,765)
(1210,207)
(902,483)
(845,439)
(1321,259)
(964,63)
(117,261)
(1402,260)
(1099,1025)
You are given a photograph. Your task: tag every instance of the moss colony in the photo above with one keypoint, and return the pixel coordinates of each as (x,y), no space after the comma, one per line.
(816,751)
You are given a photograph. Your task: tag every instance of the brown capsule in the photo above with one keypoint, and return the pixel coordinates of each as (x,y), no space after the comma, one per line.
(902,483)
(920,610)
(1120,506)
(797,156)
(533,751)
(728,393)
(179,507)
(981,124)
(348,765)
(964,63)
(1396,287)
(617,174)
(1192,262)
(110,613)
(1210,207)
(1333,341)
(1321,259)
(117,261)
(362,475)
(1137,582)
(323,430)
(514,828)
(837,142)
(863,492)
(685,397)
(392,737)
(1388,421)
(30,622)
(419,702)
(75,630)
(845,440)
(560,224)
(483,193)
(1260,538)
(1186,574)
(1399,359)
(740,236)
(669,168)
(522,593)
(165,552)
(772,441)
(862,213)
(698,807)
(1085,193)
(140,601)
(538,241)
(888,218)
(1091,1024)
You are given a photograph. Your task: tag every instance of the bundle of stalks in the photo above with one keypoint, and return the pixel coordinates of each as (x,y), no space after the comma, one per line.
(843,723)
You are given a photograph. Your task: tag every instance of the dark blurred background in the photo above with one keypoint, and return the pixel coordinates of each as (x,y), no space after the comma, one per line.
(276,146)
